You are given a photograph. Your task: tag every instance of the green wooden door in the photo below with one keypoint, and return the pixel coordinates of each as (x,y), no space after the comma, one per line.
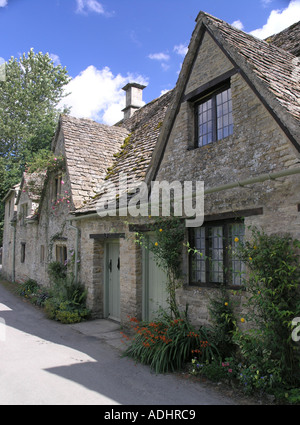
(154,287)
(113,280)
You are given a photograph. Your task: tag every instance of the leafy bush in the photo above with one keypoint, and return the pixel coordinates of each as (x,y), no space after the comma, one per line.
(273,287)
(70,312)
(67,303)
(216,370)
(34,292)
(57,271)
(27,288)
(167,344)
(223,322)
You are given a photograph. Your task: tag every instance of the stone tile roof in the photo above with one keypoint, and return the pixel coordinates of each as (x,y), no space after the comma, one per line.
(135,154)
(276,69)
(32,184)
(274,73)
(288,39)
(89,149)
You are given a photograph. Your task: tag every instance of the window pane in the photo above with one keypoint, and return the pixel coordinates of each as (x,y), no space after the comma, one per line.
(216,254)
(236,235)
(205,128)
(224,114)
(198,260)
(215,120)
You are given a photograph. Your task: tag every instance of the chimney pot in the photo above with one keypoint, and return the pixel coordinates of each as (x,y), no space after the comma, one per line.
(134,98)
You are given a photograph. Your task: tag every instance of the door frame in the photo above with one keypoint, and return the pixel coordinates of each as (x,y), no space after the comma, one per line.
(146,282)
(106,298)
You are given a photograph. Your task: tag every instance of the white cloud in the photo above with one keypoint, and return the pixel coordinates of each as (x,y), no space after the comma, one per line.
(159,56)
(266,3)
(98,94)
(85,6)
(181,49)
(164,92)
(238,24)
(3,3)
(279,20)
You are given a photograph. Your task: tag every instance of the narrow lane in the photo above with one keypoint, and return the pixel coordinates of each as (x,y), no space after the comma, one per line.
(43,362)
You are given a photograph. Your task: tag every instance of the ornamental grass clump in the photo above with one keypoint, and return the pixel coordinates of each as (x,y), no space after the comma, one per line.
(167,344)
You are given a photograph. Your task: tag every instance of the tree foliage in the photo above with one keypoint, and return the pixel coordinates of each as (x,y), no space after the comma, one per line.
(30,96)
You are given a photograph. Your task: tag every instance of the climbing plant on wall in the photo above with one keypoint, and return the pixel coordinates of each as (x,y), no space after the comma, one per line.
(166,248)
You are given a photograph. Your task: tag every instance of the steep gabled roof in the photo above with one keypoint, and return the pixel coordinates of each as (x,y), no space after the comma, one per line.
(271,72)
(268,67)
(135,154)
(89,149)
(32,184)
(288,39)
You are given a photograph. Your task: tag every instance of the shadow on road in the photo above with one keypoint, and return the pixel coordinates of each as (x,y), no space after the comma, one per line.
(119,380)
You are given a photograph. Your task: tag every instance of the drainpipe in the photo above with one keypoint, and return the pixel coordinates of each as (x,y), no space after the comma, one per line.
(13,275)
(76,250)
(241,183)
(259,179)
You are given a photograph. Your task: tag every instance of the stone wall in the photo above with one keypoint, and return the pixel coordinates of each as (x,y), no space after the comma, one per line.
(257,146)
(8,238)
(92,269)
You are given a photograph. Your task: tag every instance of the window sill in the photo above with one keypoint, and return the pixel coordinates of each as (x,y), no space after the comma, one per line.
(214,286)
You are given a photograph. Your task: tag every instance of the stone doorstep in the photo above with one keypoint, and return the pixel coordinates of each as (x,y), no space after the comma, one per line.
(105,330)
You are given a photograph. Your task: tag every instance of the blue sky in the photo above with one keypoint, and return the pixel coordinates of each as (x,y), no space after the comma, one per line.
(106,43)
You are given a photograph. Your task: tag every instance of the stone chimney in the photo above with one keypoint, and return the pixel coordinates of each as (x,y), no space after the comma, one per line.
(134,98)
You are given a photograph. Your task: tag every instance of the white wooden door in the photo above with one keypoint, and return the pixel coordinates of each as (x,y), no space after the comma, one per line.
(154,286)
(113,280)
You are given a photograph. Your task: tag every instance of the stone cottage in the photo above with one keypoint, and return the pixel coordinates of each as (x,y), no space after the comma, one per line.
(232,121)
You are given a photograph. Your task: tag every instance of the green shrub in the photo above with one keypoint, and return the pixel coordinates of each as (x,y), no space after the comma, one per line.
(69,312)
(167,344)
(51,307)
(65,311)
(273,287)
(67,302)
(57,271)
(31,290)
(28,288)
(223,321)
(215,370)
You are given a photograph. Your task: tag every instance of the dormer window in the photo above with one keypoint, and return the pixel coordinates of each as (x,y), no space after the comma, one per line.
(57,186)
(214,116)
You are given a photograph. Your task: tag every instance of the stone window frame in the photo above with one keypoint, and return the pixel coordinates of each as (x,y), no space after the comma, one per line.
(23,252)
(198,95)
(56,186)
(42,254)
(61,253)
(211,104)
(223,270)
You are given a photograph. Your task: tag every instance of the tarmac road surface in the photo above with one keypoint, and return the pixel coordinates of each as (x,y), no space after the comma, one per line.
(43,362)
